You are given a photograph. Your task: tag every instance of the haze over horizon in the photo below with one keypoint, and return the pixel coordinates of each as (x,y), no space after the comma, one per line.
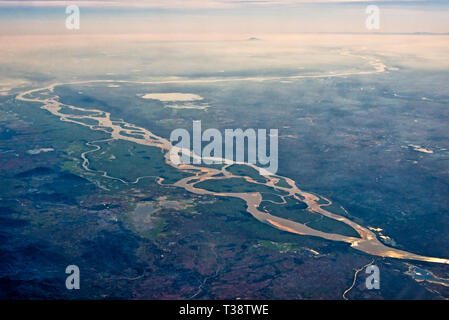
(223,17)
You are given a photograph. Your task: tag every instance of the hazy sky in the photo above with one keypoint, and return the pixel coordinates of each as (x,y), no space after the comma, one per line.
(225,17)
(206,3)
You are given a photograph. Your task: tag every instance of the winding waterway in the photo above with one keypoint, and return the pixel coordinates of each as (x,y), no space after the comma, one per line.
(367,241)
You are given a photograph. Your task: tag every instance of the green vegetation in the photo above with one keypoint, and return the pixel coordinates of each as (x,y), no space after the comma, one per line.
(295,210)
(282,183)
(129,161)
(235,185)
(279,246)
(271,197)
(86,121)
(228,217)
(242,170)
(144,221)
